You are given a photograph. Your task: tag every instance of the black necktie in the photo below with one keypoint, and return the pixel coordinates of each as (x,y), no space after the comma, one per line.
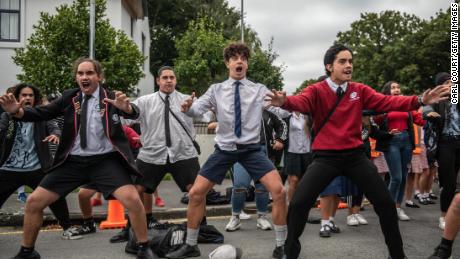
(339,92)
(237,109)
(83,121)
(167,133)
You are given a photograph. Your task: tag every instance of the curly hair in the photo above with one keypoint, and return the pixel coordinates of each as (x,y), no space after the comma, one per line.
(235,49)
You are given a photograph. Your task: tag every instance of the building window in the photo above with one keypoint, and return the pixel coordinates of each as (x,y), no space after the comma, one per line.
(10,20)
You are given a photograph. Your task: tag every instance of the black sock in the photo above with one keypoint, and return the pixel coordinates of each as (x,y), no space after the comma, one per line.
(88,221)
(204,221)
(26,250)
(447,243)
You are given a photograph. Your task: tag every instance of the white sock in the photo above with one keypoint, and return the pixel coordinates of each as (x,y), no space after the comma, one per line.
(280,234)
(331,218)
(409,202)
(417,192)
(325,222)
(192,236)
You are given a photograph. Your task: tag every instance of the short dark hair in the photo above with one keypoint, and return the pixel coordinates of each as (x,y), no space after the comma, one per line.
(10,90)
(235,49)
(96,64)
(441,78)
(163,68)
(37,94)
(386,89)
(331,55)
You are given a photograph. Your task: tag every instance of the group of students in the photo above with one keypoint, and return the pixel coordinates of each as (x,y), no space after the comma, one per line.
(94,151)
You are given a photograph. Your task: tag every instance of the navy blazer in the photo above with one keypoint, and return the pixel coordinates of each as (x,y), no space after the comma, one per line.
(68,106)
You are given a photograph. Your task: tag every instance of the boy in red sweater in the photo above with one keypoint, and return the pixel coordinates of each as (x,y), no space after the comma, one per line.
(338,147)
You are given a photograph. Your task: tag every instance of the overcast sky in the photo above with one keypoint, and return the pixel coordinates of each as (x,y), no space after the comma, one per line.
(303,30)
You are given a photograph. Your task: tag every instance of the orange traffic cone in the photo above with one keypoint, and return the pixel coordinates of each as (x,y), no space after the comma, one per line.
(115,216)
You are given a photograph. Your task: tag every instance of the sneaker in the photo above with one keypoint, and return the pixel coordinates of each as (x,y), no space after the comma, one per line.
(151,223)
(184,251)
(278,252)
(96,202)
(71,233)
(121,236)
(325,231)
(334,227)
(22,197)
(442,223)
(87,228)
(145,252)
(361,219)
(263,223)
(233,224)
(33,255)
(159,202)
(429,200)
(352,220)
(441,252)
(411,204)
(244,216)
(402,215)
(433,196)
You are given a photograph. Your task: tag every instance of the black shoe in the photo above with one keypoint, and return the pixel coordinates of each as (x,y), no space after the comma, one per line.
(430,201)
(87,228)
(278,252)
(145,252)
(312,220)
(433,196)
(121,236)
(334,227)
(325,231)
(151,223)
(441,252)
(33,255)
(411,204)
(184,251)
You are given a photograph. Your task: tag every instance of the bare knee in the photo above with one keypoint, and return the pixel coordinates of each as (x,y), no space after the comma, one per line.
(35,204)
(85,194)
(279,194)
(196,195)
(456,202)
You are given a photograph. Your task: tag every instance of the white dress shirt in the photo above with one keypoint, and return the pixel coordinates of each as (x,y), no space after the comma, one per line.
(220,98)
(335,86)
(97,142)
(299,141)
(152,122)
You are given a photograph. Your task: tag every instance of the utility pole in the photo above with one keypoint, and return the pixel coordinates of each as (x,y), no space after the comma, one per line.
(242,21)
(92,27)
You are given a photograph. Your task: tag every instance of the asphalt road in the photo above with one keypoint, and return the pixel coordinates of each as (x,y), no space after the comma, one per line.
(420,236)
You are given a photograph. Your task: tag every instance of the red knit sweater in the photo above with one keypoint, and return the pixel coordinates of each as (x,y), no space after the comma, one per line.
(343,130)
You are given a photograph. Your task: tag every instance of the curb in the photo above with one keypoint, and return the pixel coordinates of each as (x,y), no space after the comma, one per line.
(16,219)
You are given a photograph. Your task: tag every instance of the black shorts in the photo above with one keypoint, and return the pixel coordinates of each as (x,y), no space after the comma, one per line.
(458,183)
(105,172)
(10,181)
(296,164)
(184,173)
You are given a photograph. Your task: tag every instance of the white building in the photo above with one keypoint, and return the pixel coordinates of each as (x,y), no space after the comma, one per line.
(18,16)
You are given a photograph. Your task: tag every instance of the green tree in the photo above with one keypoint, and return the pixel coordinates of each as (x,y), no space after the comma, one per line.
(60,39)
(304,84)
(262,70)
(199,62)
(370,36)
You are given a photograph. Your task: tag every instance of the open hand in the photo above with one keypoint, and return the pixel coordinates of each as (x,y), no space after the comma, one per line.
(276,98)
(121,101)
(439,93)
(52,139)
(10,104)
